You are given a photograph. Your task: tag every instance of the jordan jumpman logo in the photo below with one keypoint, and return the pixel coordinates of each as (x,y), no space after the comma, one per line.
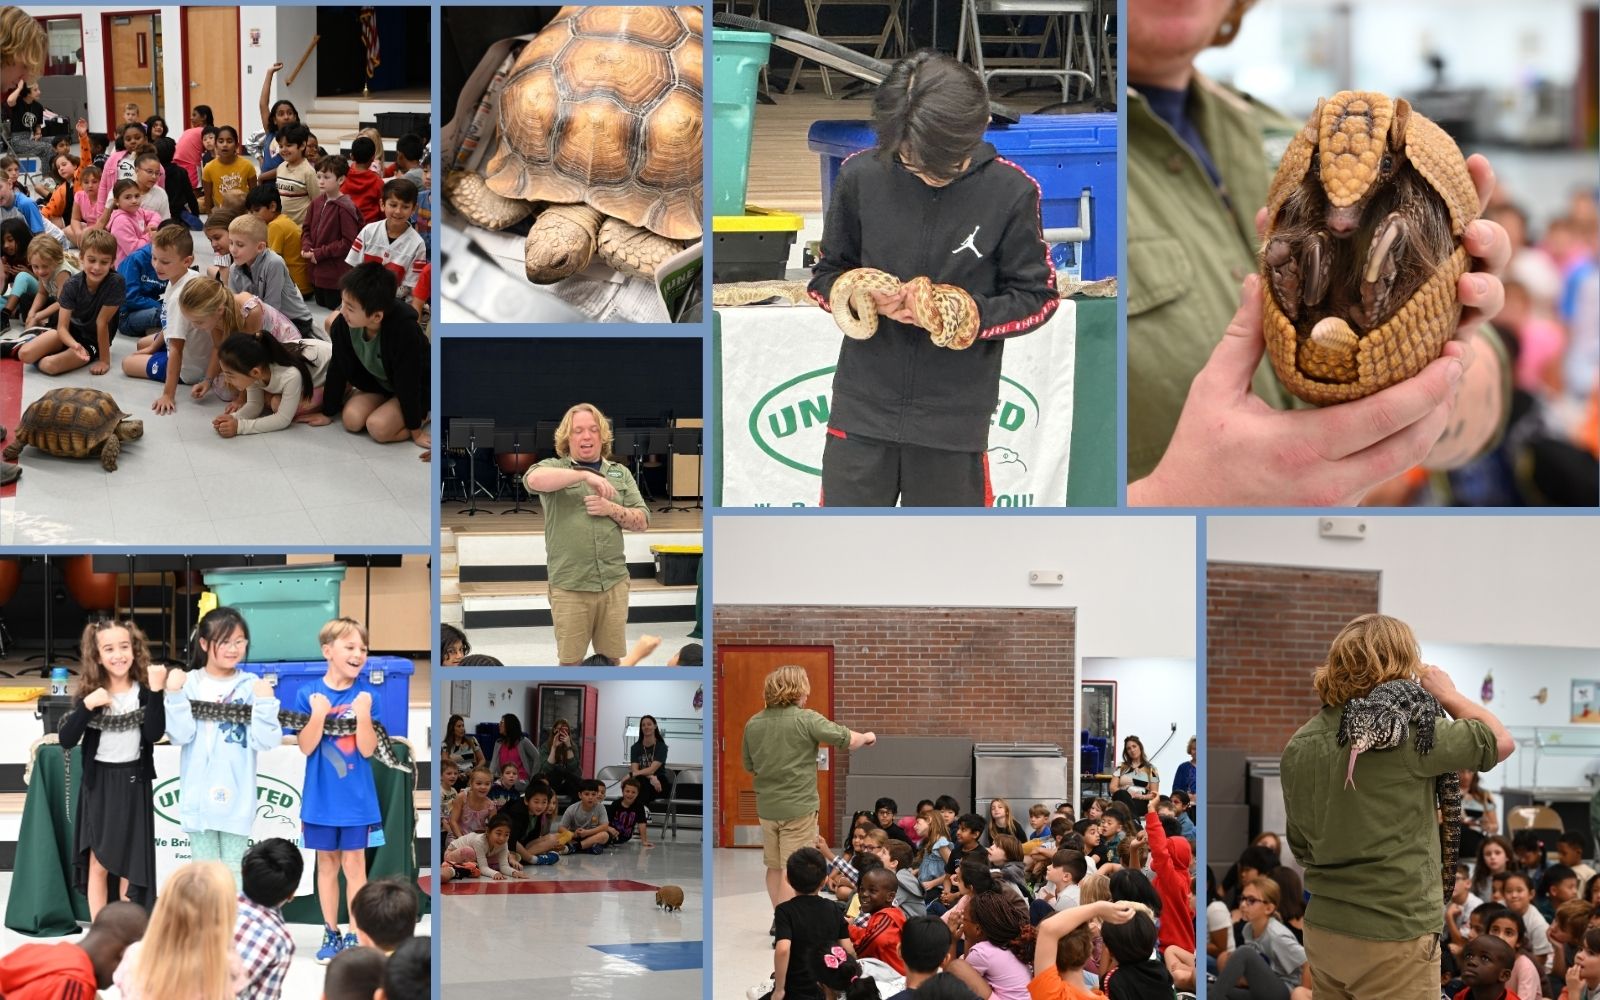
(968,244)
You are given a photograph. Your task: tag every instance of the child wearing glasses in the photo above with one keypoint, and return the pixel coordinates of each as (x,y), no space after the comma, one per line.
(1267,965)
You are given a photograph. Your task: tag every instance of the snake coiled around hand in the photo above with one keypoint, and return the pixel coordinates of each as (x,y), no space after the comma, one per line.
(948,313)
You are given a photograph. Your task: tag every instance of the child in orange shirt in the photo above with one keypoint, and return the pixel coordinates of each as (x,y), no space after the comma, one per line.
(1061,947)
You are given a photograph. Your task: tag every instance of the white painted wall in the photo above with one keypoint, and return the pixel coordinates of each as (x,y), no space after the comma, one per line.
(94,59)
(1514,581)
(617,701)
(284,34)
(1131,578)
(1519,673)
(285,31)
(1152,695)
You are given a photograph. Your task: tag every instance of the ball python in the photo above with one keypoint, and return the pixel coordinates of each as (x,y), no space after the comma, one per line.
(243,713)
(1363,250)
(948,313)
(1379,721)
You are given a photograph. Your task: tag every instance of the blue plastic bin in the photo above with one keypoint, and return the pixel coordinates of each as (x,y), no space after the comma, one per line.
(285,606)
(390,676)
(1064,153)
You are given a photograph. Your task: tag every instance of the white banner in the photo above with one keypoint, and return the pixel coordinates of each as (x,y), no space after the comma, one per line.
(280,775)
(777,378)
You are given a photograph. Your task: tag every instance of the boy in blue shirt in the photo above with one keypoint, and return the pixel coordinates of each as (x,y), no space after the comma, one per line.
(339,805)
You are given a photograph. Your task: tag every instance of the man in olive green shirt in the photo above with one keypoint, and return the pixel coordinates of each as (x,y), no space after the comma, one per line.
(588,502)
(1206,420)
(1371,851)
(780,752)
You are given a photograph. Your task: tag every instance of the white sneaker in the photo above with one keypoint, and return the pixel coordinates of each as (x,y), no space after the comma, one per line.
(765,989)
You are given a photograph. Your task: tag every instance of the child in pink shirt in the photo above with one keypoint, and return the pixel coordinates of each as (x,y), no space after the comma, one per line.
(130,223)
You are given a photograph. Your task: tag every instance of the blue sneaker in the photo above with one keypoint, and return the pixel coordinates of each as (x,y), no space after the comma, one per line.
(598,849)
(332,944)
(547,858)
(350,941)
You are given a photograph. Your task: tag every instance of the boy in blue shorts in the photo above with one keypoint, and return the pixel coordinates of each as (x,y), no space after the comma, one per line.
(339,805)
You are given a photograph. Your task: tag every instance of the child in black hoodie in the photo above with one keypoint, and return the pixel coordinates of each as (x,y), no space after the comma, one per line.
(910,412)
(379,377)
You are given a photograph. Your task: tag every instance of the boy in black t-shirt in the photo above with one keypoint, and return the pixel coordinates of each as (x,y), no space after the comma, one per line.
(628,815)
(806,927)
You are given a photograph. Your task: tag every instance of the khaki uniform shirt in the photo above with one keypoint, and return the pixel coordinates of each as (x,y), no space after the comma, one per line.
(780,750)
(1371,853)
(585,552)
(1189,250)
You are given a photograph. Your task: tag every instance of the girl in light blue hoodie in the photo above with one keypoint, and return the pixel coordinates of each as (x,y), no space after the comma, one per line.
(217,788)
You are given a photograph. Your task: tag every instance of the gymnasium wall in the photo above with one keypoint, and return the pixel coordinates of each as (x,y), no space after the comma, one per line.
(1131,579)
(1468,580)
(991,675)
(1267,630)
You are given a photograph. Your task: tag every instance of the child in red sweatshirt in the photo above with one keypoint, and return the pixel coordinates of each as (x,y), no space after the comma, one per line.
(877,931)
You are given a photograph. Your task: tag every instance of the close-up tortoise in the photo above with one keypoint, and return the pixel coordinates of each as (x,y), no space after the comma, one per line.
(1363,250)
(601,120)
(75,423)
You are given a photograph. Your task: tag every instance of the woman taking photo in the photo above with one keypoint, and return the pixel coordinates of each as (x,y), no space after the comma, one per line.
(559,762)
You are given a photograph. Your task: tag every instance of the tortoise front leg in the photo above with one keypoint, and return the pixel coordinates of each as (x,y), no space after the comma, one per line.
(634,250)
(13,450)
(108,454)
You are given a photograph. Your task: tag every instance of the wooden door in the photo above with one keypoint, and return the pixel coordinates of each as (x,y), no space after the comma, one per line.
(134,45)
(211,57)
(740,673)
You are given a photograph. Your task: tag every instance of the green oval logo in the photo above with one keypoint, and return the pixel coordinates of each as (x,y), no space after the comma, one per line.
(789,422)
(276,799)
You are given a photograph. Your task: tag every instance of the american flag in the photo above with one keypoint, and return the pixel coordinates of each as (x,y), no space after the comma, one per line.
(369,38)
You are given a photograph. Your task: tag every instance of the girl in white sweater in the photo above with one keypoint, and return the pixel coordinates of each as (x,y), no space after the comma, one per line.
(280,383)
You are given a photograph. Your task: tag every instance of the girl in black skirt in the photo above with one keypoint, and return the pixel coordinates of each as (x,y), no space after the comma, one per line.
(115,824)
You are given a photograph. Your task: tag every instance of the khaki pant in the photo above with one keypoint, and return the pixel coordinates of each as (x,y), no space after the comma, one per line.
(584,618)
(1347,968)
(782,837)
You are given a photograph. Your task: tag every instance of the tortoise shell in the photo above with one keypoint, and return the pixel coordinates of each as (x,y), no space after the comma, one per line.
(70,422)
(605,107)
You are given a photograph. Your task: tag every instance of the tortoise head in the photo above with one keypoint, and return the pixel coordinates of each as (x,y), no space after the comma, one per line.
(130,430)
(1361,142)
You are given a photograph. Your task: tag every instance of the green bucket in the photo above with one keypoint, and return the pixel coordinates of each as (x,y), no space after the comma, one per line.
(737,58)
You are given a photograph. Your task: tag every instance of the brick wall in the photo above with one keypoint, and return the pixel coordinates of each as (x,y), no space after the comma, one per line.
(1267,629)
(995,675)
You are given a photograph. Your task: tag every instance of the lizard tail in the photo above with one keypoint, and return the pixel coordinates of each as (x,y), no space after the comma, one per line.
(1350,772)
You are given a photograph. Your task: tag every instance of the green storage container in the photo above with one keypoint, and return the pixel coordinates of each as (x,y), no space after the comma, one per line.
(736,61)
(285,606)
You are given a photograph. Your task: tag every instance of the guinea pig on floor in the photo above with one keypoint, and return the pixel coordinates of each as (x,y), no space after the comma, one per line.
(670,897)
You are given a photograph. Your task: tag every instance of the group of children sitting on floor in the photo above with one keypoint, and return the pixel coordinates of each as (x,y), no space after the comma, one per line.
(205,940)
(496,825)
(1516,926)
(945,904)
(240,329)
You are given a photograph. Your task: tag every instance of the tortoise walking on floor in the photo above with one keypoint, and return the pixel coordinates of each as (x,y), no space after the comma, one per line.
(601,120)
(75,423)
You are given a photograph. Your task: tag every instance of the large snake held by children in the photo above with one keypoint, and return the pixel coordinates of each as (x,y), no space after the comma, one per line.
(948,313)
(1379,721)
(242,713)
(1363,248)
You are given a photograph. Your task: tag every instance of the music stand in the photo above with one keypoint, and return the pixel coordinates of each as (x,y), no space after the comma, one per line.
(512,441)
(682,441)
(658,441)
(465,433)
(625,447)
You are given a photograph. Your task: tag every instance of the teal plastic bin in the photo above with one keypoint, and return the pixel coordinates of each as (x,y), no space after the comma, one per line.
(285,606)
(736,61)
